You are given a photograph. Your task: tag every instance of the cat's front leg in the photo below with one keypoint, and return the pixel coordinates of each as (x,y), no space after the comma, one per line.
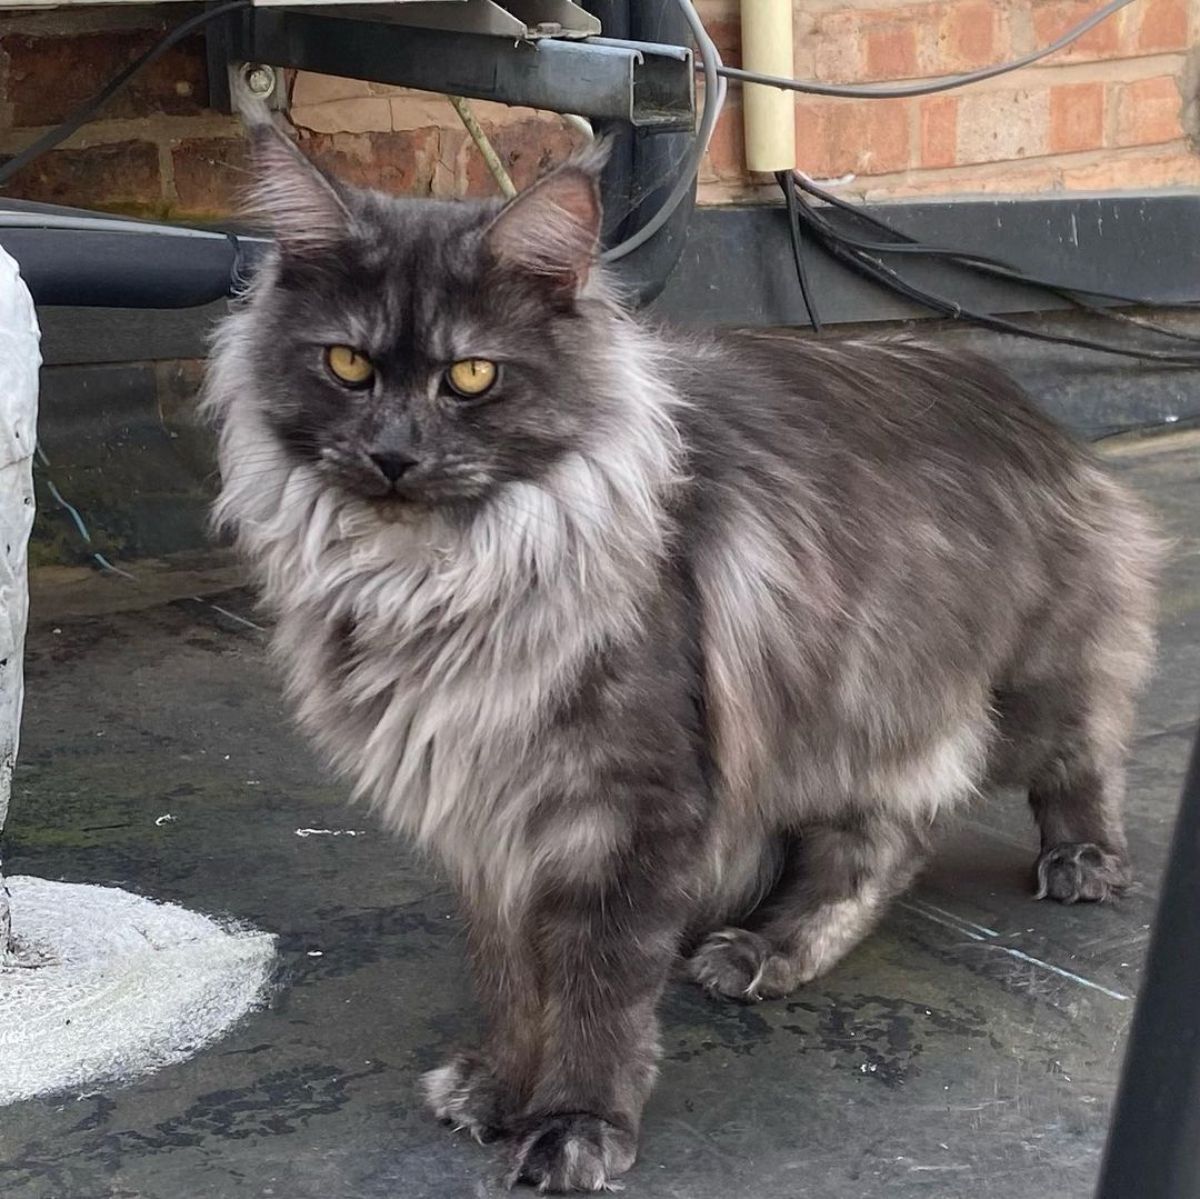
(604,965)
(483,1091)
(607,891)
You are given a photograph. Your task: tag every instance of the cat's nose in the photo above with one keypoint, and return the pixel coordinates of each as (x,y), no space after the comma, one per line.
(392,464)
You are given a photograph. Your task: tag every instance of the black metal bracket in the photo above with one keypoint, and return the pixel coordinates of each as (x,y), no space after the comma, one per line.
(636,84)
(650,86)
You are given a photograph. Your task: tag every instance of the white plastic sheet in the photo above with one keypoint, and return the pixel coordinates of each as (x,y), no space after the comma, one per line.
(20,359)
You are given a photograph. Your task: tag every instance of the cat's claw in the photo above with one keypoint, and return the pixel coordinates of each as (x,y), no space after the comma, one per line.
(573,1152)
(464,1093)
(737,964)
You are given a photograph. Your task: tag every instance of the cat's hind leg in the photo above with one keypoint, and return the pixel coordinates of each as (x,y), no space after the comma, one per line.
(1063,739)
(836,880)
(1077,798)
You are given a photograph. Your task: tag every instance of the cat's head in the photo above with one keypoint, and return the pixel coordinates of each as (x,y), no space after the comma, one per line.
(420,351)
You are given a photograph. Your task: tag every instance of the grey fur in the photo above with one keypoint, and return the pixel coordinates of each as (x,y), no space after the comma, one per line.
(667,644)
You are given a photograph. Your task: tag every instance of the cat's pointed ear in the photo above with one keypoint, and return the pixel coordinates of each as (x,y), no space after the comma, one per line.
(552,230)
(305,207)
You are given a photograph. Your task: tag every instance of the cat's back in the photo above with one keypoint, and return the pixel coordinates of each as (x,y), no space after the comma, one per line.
(857,458)
(885,403)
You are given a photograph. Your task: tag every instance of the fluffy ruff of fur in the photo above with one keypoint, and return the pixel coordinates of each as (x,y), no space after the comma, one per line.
(704,684)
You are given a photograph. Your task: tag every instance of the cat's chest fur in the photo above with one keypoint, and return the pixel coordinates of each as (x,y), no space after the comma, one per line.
(427,656)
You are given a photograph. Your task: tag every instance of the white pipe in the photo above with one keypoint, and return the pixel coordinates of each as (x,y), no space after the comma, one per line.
(19,362)
(769,112)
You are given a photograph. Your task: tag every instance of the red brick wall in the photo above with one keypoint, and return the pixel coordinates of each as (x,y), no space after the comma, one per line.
(1115,111)
(146,153)
(157,150)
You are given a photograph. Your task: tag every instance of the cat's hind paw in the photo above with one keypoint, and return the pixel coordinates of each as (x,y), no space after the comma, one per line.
(1081,872)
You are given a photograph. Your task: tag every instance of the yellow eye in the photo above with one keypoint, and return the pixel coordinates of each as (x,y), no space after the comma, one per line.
(471,377)
(349,366)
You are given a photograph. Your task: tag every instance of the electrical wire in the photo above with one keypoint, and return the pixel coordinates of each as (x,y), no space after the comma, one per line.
(987,265)
(86,111)
(927,86)
(78,521)
(869,266)
(797,239)
(1177,424)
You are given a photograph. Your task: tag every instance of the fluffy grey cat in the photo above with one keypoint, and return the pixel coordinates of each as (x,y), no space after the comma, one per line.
(666,647)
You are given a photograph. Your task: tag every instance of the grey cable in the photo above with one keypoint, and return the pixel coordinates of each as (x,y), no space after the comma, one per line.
(714,99)
(716,73)
(926,86)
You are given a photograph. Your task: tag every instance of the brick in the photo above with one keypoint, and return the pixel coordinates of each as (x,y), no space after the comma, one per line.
(360,114)
(998,126)
(1149,111)
(969,36)
(1135,173)
(1076,117)
(838,41)
(527,149)
(726,32)
(1051,20)
(891,51)
(310,89)
(401,163)
(118,177)
(211,174)
(968,181)
(1161,25)
(939,131)
(420,110)
(866,137)
(726,158)
(49,76)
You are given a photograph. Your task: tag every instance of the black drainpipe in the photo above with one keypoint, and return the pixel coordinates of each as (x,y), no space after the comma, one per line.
(643,166)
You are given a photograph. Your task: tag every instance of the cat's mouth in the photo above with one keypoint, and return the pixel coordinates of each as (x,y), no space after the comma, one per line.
(418,491)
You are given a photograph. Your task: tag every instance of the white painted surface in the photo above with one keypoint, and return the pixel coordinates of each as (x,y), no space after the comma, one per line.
(20,359)
(104,986)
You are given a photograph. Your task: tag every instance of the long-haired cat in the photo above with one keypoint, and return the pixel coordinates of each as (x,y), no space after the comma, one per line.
(664,646)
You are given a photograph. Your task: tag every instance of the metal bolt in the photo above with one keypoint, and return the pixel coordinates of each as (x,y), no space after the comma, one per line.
(260,80)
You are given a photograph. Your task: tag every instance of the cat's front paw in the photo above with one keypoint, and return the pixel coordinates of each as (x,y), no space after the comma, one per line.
(466,1095)
(1081,872)
(572,1152)
(740,965)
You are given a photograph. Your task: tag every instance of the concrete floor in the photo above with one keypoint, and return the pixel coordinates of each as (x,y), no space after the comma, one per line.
(970,1046)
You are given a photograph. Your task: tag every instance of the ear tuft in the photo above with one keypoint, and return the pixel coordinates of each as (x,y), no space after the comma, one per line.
(552,230)
(306,208)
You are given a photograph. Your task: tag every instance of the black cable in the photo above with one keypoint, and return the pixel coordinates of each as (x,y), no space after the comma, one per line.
(784,179)
(995,268)
(86,111)
(862,263)
(1175,423)
(906,244)
(843,247)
